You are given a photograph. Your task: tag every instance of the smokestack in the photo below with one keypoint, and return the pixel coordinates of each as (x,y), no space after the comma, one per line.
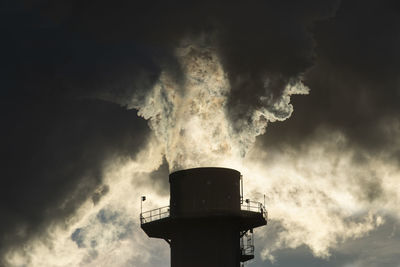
(207,223)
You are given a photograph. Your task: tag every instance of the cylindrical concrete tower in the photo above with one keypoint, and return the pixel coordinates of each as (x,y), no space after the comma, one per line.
(207,224)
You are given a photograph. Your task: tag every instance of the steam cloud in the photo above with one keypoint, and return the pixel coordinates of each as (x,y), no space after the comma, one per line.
(209,80)
(190,118)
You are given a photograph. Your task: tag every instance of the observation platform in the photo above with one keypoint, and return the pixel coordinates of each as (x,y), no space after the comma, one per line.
(158,223)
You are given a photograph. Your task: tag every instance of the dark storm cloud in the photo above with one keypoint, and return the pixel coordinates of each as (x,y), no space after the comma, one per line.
(257,40)
(268,41)
(354,81)
(54,151)
(55,139)
(60,57)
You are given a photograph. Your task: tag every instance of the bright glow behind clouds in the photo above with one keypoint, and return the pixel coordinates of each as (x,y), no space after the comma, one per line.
(189,118)
(316,194)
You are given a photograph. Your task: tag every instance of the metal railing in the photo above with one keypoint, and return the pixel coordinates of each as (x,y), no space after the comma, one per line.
(164,212)
(254,206)
(153,215)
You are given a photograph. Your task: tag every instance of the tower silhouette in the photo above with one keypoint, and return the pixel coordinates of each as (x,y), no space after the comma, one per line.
(207,224)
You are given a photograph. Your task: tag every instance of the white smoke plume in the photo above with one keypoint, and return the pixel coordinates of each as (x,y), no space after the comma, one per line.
(106,233)
(189,118)
(316,196)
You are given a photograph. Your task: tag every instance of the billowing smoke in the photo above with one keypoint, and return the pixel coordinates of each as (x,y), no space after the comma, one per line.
(103,99)
(190,119)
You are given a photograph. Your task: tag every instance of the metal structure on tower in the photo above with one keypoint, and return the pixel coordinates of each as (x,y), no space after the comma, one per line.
(208,223)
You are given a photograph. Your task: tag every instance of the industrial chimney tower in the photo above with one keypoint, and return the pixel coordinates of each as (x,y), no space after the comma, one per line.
(207,223)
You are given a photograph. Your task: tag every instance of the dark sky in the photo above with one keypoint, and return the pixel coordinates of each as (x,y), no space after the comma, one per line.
(70,68)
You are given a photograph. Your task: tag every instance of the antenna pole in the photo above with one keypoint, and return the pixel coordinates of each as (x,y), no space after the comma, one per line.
(142,198)
(264,200)
(241,189)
